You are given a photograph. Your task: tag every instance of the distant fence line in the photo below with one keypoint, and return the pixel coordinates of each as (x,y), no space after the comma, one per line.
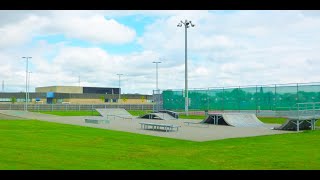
(257,97)
(74,107)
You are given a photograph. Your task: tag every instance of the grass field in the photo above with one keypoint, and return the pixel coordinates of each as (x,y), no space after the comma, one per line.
(45,145)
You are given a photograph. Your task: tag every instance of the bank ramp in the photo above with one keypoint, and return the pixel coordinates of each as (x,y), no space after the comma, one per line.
(116,112)
(159,116)
(234,119)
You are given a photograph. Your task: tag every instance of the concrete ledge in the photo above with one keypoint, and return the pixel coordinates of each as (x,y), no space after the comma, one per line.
(97,121)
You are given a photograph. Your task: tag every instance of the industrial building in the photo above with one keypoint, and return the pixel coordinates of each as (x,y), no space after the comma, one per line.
(75,95)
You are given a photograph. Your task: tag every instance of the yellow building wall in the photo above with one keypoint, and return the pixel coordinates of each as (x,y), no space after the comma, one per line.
(99,101)
(61,89)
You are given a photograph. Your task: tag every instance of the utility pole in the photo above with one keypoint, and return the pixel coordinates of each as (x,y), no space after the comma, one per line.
(156,62)
(119,87)
(26,104)
(186,24)
(29,85)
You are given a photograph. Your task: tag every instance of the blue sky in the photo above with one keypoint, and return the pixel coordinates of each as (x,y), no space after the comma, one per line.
(225,48)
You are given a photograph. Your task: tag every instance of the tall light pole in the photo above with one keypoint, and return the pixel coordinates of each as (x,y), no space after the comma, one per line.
(156,62)
(119,85)
(29,85)
(186,24)
(26,105)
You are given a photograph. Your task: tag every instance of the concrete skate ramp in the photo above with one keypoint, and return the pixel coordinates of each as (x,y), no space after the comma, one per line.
(159,116)
(291,123)
(234,119)
(171,113)
(120,112)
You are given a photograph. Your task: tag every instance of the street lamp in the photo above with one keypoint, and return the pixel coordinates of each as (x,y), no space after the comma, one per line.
(156,62)
(119,85)
(26,105)
(29,85)
(186,24)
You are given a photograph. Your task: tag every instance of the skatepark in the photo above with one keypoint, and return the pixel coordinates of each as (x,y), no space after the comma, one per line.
(194,130)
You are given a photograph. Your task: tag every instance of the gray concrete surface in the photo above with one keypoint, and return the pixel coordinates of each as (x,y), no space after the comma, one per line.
(186,132)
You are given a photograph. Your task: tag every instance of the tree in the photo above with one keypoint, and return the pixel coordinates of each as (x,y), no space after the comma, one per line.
(102,98)
(142,98)
(124,99)
(13,100)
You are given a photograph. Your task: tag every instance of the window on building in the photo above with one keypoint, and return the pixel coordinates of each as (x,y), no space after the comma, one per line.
(5,99)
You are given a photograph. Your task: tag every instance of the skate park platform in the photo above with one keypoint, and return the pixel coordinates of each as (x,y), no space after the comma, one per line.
(158,116)
(299,123)
(234,119)
(186,132)
(114,112)
(302,116)
(96,120)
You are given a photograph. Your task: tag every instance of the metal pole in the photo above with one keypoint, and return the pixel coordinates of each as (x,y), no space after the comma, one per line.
(186,24)
(26,105)
(26,108)
(186,74)
(119,87)
(29,85)
(156,62)
(157,74)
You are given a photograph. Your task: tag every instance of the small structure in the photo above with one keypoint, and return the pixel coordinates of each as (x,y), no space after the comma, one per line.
(234,119)
(156,126)
(96,120)
(302,116)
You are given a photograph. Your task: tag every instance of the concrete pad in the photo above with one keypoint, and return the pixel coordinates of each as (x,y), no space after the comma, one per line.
(185,132)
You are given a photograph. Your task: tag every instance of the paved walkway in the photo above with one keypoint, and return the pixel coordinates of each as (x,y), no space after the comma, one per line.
(193,132)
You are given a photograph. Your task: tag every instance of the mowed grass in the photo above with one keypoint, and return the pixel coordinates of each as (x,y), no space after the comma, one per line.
(45,145)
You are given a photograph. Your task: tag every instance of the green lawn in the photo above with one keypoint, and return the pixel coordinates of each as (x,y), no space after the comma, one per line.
(181,116)
(46,145)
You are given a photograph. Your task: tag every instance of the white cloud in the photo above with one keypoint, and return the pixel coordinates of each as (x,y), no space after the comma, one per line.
(94,28)
(224,49)
(89,26)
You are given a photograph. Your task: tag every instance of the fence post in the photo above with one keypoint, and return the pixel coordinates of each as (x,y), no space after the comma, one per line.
(51,107)
(79,107)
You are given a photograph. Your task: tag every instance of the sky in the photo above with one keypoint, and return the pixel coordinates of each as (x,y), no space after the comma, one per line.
(225,48)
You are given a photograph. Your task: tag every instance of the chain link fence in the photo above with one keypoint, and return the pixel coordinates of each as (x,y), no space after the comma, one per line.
(257,98)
